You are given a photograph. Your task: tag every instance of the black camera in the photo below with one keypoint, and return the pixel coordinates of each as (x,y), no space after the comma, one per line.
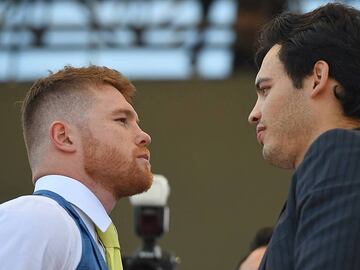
(151,218)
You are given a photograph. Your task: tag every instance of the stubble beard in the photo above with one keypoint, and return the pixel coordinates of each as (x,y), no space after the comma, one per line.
(110,169)
(290,134)
(276,157)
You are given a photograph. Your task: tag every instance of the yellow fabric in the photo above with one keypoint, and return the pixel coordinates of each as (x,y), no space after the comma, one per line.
(110,240)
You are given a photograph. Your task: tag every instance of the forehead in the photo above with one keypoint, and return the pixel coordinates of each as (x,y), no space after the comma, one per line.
(271,66)
(109,99)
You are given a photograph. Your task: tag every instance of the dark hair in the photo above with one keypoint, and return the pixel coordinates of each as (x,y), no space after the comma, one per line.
(261,239)
(330,33)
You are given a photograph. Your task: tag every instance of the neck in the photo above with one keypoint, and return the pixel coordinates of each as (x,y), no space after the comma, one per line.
(106,198)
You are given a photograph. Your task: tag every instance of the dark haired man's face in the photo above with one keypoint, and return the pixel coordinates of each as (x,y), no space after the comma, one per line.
(115,149)
(281,114)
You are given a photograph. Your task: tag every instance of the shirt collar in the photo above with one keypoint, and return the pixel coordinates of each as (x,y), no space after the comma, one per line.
(77,194)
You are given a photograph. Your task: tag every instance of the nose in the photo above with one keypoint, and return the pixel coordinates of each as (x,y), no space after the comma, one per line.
(255,114)
(143,139)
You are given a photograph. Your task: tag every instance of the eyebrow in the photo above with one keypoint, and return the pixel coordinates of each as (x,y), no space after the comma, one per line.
(260,81)
(127,112)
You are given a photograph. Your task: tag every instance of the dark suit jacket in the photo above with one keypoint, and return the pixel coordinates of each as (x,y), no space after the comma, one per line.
(319,227)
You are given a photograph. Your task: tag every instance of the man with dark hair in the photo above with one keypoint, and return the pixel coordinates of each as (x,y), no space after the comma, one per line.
(86,151)
(307,117)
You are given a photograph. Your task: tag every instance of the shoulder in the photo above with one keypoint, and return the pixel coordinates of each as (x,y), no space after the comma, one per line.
(37,212)
(333,159)
(335,138)
(333,145)
(39,225)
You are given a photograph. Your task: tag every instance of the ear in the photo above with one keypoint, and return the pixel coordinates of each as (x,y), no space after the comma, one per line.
(62,137)
(320,77)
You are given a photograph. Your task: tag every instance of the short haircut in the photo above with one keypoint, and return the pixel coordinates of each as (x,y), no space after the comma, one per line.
(65,94)
(330,33)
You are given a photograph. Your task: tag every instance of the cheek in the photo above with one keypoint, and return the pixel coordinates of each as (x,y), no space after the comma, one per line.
(126,148)
(271,107)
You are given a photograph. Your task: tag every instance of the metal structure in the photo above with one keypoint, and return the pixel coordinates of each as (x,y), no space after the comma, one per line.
(146,39)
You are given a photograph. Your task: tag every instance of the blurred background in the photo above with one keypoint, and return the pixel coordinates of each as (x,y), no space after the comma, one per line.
(191,62)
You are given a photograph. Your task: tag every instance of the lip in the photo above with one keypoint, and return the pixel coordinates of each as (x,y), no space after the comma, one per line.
(145,156)
(260,130)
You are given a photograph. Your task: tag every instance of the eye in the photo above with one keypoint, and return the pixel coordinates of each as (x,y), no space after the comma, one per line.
(264,91)
(122,120)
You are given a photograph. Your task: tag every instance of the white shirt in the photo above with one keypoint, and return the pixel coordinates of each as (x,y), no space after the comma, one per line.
(37,233)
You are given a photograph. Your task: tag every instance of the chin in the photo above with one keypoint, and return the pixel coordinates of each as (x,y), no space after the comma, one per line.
(148,180)
(137,184)
(278,158)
